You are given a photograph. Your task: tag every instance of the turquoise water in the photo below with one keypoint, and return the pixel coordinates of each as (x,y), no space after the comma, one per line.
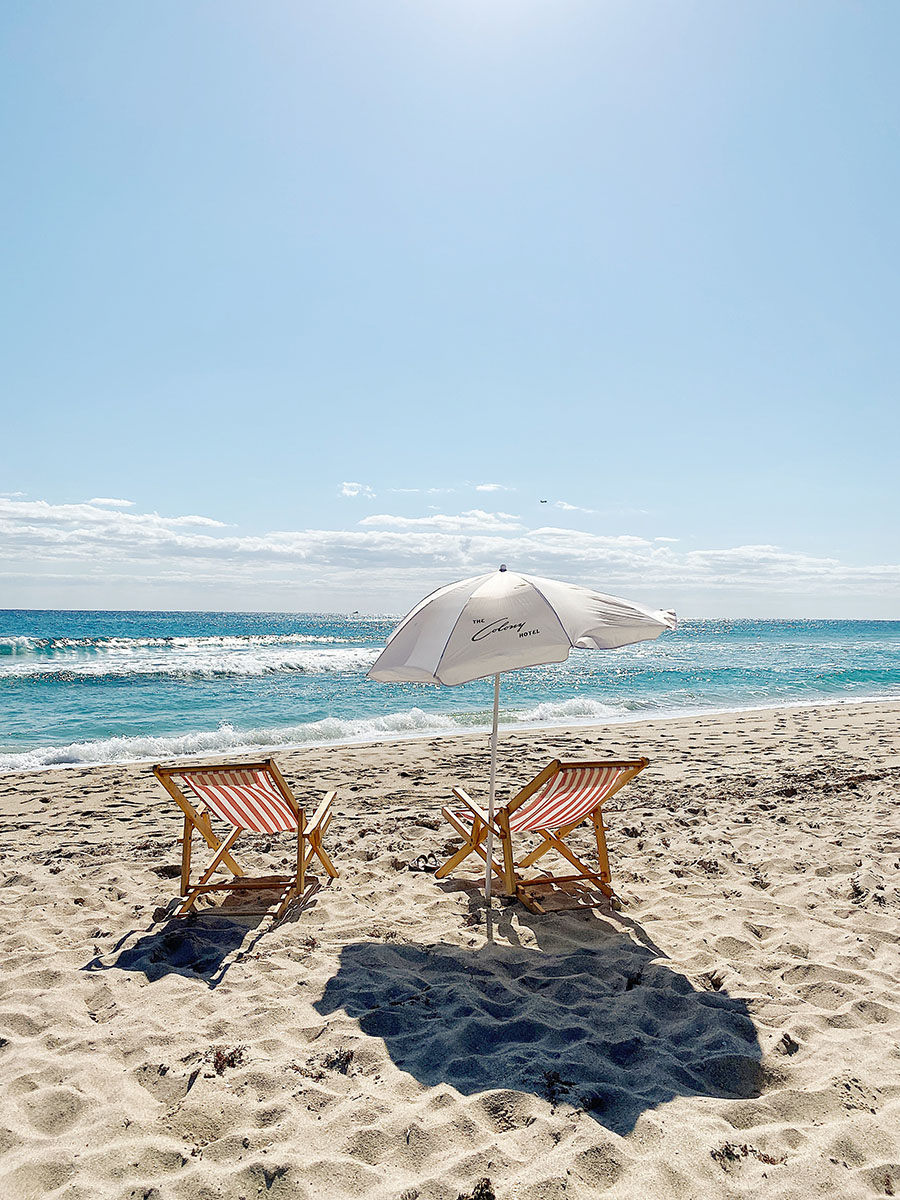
(92,687)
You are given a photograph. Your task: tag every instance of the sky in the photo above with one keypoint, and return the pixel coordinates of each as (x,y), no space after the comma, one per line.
(317,307)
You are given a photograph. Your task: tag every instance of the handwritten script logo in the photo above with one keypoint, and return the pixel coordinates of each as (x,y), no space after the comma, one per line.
(501,625)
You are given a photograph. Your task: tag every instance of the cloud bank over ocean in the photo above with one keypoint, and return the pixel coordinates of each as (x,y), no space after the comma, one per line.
(96,554)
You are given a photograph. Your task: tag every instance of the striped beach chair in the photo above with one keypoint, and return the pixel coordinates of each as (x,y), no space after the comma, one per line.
(245,796)
(558,800)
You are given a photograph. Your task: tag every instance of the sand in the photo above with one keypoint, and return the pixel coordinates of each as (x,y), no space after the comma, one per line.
(733,1031)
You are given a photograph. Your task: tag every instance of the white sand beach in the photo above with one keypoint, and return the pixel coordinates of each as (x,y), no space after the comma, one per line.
(733,1031)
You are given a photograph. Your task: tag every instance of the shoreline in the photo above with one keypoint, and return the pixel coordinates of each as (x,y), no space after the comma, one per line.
(586,725)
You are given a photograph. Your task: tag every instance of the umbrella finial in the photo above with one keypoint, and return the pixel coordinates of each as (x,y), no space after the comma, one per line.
(503,566)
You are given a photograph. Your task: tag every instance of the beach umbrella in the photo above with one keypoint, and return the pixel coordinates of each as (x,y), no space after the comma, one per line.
(503,621)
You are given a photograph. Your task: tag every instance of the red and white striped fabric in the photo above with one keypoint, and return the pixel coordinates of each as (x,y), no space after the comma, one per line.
(245,799)
(569,796)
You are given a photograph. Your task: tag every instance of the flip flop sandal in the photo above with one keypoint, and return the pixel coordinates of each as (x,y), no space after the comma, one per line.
(427,863)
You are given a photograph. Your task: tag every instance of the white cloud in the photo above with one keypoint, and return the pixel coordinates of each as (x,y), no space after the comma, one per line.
(491,487)
(105,502)
(572,507)
(432,491)
(73,530)
(357,489)
(474,519)
(609,513)
(190,557)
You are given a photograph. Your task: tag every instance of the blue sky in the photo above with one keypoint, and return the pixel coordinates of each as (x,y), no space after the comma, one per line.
(310,306)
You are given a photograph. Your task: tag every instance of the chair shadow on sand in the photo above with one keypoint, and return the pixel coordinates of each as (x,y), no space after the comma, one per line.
(201,945)
(607,1028)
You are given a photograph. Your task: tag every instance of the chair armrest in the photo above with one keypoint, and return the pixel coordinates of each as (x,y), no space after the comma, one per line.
(466,799)
(321,812)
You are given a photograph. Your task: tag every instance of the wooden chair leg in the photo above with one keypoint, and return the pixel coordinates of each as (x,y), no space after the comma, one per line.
(602,853)
(301,856)
(189,902)
(471,835)
(473,843)
(323,856)
(316,830)
(481,851)
(186,839)
(509,870)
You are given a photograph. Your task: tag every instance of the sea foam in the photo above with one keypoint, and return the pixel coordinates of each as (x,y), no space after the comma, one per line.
(226,738)
(412,722)
(188,659)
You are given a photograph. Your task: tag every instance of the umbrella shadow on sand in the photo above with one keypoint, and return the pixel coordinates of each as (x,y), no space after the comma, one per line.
(609,1029)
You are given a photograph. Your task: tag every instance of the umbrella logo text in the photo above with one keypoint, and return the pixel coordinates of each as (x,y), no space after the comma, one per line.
(501,625)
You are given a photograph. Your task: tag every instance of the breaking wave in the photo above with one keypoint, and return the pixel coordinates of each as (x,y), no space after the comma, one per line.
(228,739)
(409,723)
(579,710)
(25,644)
(190,658)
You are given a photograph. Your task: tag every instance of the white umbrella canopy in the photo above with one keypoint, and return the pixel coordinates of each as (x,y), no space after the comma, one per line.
(503,621)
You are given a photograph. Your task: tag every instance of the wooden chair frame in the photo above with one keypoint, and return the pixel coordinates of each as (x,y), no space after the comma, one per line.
(508,869)
(196,817)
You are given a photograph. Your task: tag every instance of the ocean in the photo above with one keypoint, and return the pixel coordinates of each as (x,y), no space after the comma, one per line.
(101,687)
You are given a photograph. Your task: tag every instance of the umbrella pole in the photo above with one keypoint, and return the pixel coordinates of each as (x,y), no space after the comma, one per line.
(488,873)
